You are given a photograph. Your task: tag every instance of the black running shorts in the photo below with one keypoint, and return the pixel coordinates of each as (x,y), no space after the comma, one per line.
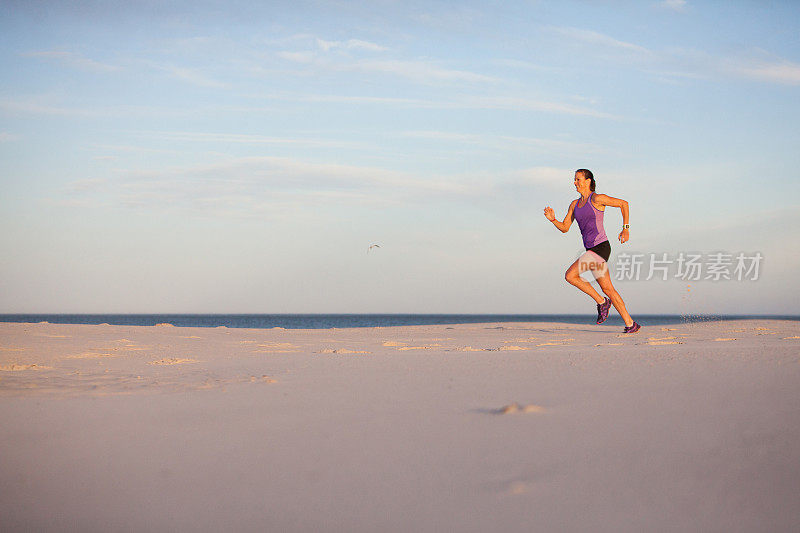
(603,250)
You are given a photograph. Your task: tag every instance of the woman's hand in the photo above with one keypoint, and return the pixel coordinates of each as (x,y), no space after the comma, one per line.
(623,236)
(548,212)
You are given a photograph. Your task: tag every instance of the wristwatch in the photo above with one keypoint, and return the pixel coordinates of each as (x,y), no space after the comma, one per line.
(626,226)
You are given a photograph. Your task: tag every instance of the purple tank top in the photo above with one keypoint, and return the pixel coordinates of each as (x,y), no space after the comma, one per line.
(590,220)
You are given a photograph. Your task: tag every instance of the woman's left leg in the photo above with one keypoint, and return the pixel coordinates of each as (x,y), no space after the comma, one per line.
(616,299)
(573,277)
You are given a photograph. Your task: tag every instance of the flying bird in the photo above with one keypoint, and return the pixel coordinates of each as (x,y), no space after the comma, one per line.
(371,246)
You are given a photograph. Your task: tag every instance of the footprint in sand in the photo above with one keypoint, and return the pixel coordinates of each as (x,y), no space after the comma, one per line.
(134,348)
(552,344)
(512,347)
(611,344)
(403,348)
(394,344)
(661,338)
(720,339)
(90,355)
(262,379)
(517,408)
(14,367)
(342,351)
(517,487)
(661,343)
(278,347)
(172,361)
(282,345)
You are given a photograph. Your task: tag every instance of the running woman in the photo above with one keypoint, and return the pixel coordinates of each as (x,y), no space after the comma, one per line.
(588,211)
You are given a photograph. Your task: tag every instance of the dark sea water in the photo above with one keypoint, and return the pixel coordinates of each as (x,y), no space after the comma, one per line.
(324,321)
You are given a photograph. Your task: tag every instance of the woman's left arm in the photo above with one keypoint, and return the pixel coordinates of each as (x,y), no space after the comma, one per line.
(604,199)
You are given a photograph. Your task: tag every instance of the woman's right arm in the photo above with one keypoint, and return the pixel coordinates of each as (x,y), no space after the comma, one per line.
(566,223)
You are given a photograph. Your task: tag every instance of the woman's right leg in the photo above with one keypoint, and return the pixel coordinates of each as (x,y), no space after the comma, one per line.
(616,299)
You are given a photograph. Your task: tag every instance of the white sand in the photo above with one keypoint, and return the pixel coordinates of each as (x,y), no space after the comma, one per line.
(479,427)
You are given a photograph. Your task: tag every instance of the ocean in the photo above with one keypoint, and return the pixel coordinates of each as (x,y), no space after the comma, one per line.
(326,321)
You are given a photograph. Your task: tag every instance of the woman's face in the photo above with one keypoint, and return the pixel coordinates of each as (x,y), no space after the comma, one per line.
(581,183)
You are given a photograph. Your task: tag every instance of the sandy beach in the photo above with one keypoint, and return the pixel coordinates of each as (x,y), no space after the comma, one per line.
(471,427)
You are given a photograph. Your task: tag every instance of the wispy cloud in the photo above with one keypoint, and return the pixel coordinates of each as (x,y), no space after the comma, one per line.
(456,102)
(40,105)
(127,149)
(597,39)
(771,71)
(306,56)
(422,71)
(531,104)
(41,108)
(355,100)
(74,60)
(452,17)
(348,56)
(239,138)
(193,76)
(88,185)
(753,64)
(669,64)
(505,142)
(324,53)
(350,44)
(517,64)
(674,5)
(255,184)
(318,44)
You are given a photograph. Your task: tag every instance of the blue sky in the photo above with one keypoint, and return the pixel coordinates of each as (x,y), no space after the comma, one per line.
(242,156)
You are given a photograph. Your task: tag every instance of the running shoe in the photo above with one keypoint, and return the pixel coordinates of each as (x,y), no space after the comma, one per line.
(633,328)
(602,311)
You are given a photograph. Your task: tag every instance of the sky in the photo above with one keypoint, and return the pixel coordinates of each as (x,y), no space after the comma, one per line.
(242,156)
